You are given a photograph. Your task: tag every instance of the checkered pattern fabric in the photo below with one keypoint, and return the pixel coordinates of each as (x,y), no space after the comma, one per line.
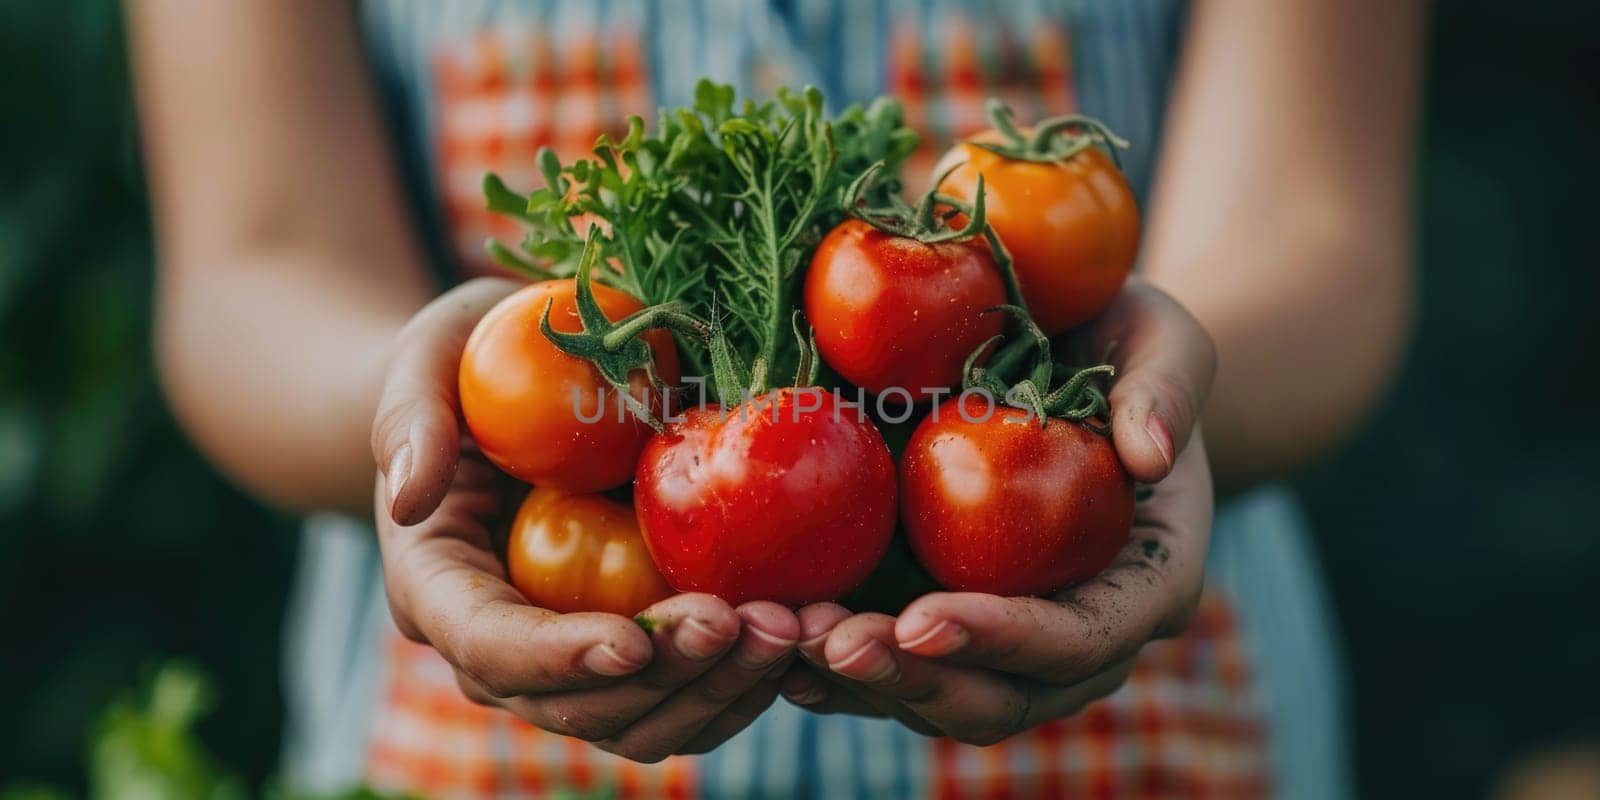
(504,93)
(1033,76)
(502,96)
(1186,724)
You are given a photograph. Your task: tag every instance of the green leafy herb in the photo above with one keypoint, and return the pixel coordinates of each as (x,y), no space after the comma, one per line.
(715,213)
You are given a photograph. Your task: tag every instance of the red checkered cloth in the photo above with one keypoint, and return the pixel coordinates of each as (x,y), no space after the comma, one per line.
(1185,725)
(503,96)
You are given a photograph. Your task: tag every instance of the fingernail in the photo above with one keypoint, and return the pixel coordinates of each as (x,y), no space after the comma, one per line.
(398,472)
(1157,431)
(603,659)
(696,640)
(944,638)
(763,652)
(870,663)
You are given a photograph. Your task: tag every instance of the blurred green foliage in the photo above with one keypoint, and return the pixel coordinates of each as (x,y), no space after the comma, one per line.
(144,746)
(1457,529)
(117,544)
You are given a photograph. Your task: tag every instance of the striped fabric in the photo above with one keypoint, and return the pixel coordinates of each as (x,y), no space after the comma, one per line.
(489,82)
(1186,724)
(481,84)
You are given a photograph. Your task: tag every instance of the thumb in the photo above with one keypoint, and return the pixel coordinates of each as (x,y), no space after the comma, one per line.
(415,437)
(1165,364)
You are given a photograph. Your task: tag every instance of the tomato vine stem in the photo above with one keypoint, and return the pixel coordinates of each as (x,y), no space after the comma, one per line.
(1053,140)
(614,348)
(1077,399)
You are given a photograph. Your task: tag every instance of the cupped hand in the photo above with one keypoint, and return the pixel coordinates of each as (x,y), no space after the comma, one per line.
(980,667)
(703,672)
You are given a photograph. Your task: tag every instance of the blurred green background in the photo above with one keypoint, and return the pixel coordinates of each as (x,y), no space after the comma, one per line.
(1456,529)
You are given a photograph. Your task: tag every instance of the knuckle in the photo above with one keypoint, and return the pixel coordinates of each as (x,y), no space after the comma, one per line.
(402,618)
(660,680)
(1176,398)
(568,719)
(720,692)
(1082,660)
(391,424)
(494,685)
(471,690)
(1178,622)
(476,663)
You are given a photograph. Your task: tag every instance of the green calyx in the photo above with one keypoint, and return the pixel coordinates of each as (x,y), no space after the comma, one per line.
(615,348)
(732,376)
(1054,140)
(929,220)
(1078,398)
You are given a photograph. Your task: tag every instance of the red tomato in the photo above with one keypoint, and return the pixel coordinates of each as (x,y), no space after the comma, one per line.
(1072,228)
(1006,507)
(891,311)
(780,502)
(517,392)
(581,552)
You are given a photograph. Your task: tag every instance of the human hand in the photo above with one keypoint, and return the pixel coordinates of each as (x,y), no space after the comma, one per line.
(980,667)
(698,677)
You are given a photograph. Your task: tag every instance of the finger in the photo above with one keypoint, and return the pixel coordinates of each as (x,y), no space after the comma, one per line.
(972,705)
(1053,703)
(690,632)
(824,692)
(802,686)
(474,691)
(1148,591)
(1058,642)
(415,438)
(1165,363)
(768,635)
(447,588)
(736,717)
(816,622)
(832,694)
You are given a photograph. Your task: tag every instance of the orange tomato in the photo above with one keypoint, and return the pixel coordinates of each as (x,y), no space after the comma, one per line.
(544,416)
(1072,228)
(581,552)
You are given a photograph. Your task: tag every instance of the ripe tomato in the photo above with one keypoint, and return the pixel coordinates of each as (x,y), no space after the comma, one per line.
(1006,507)
(891,311)
(1072,228)
(581,552)
(790,498)
(517,392)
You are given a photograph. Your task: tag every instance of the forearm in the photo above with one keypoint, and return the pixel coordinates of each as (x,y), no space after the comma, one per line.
(1282,216)
(1309,321)
(287,259)
(276,377)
